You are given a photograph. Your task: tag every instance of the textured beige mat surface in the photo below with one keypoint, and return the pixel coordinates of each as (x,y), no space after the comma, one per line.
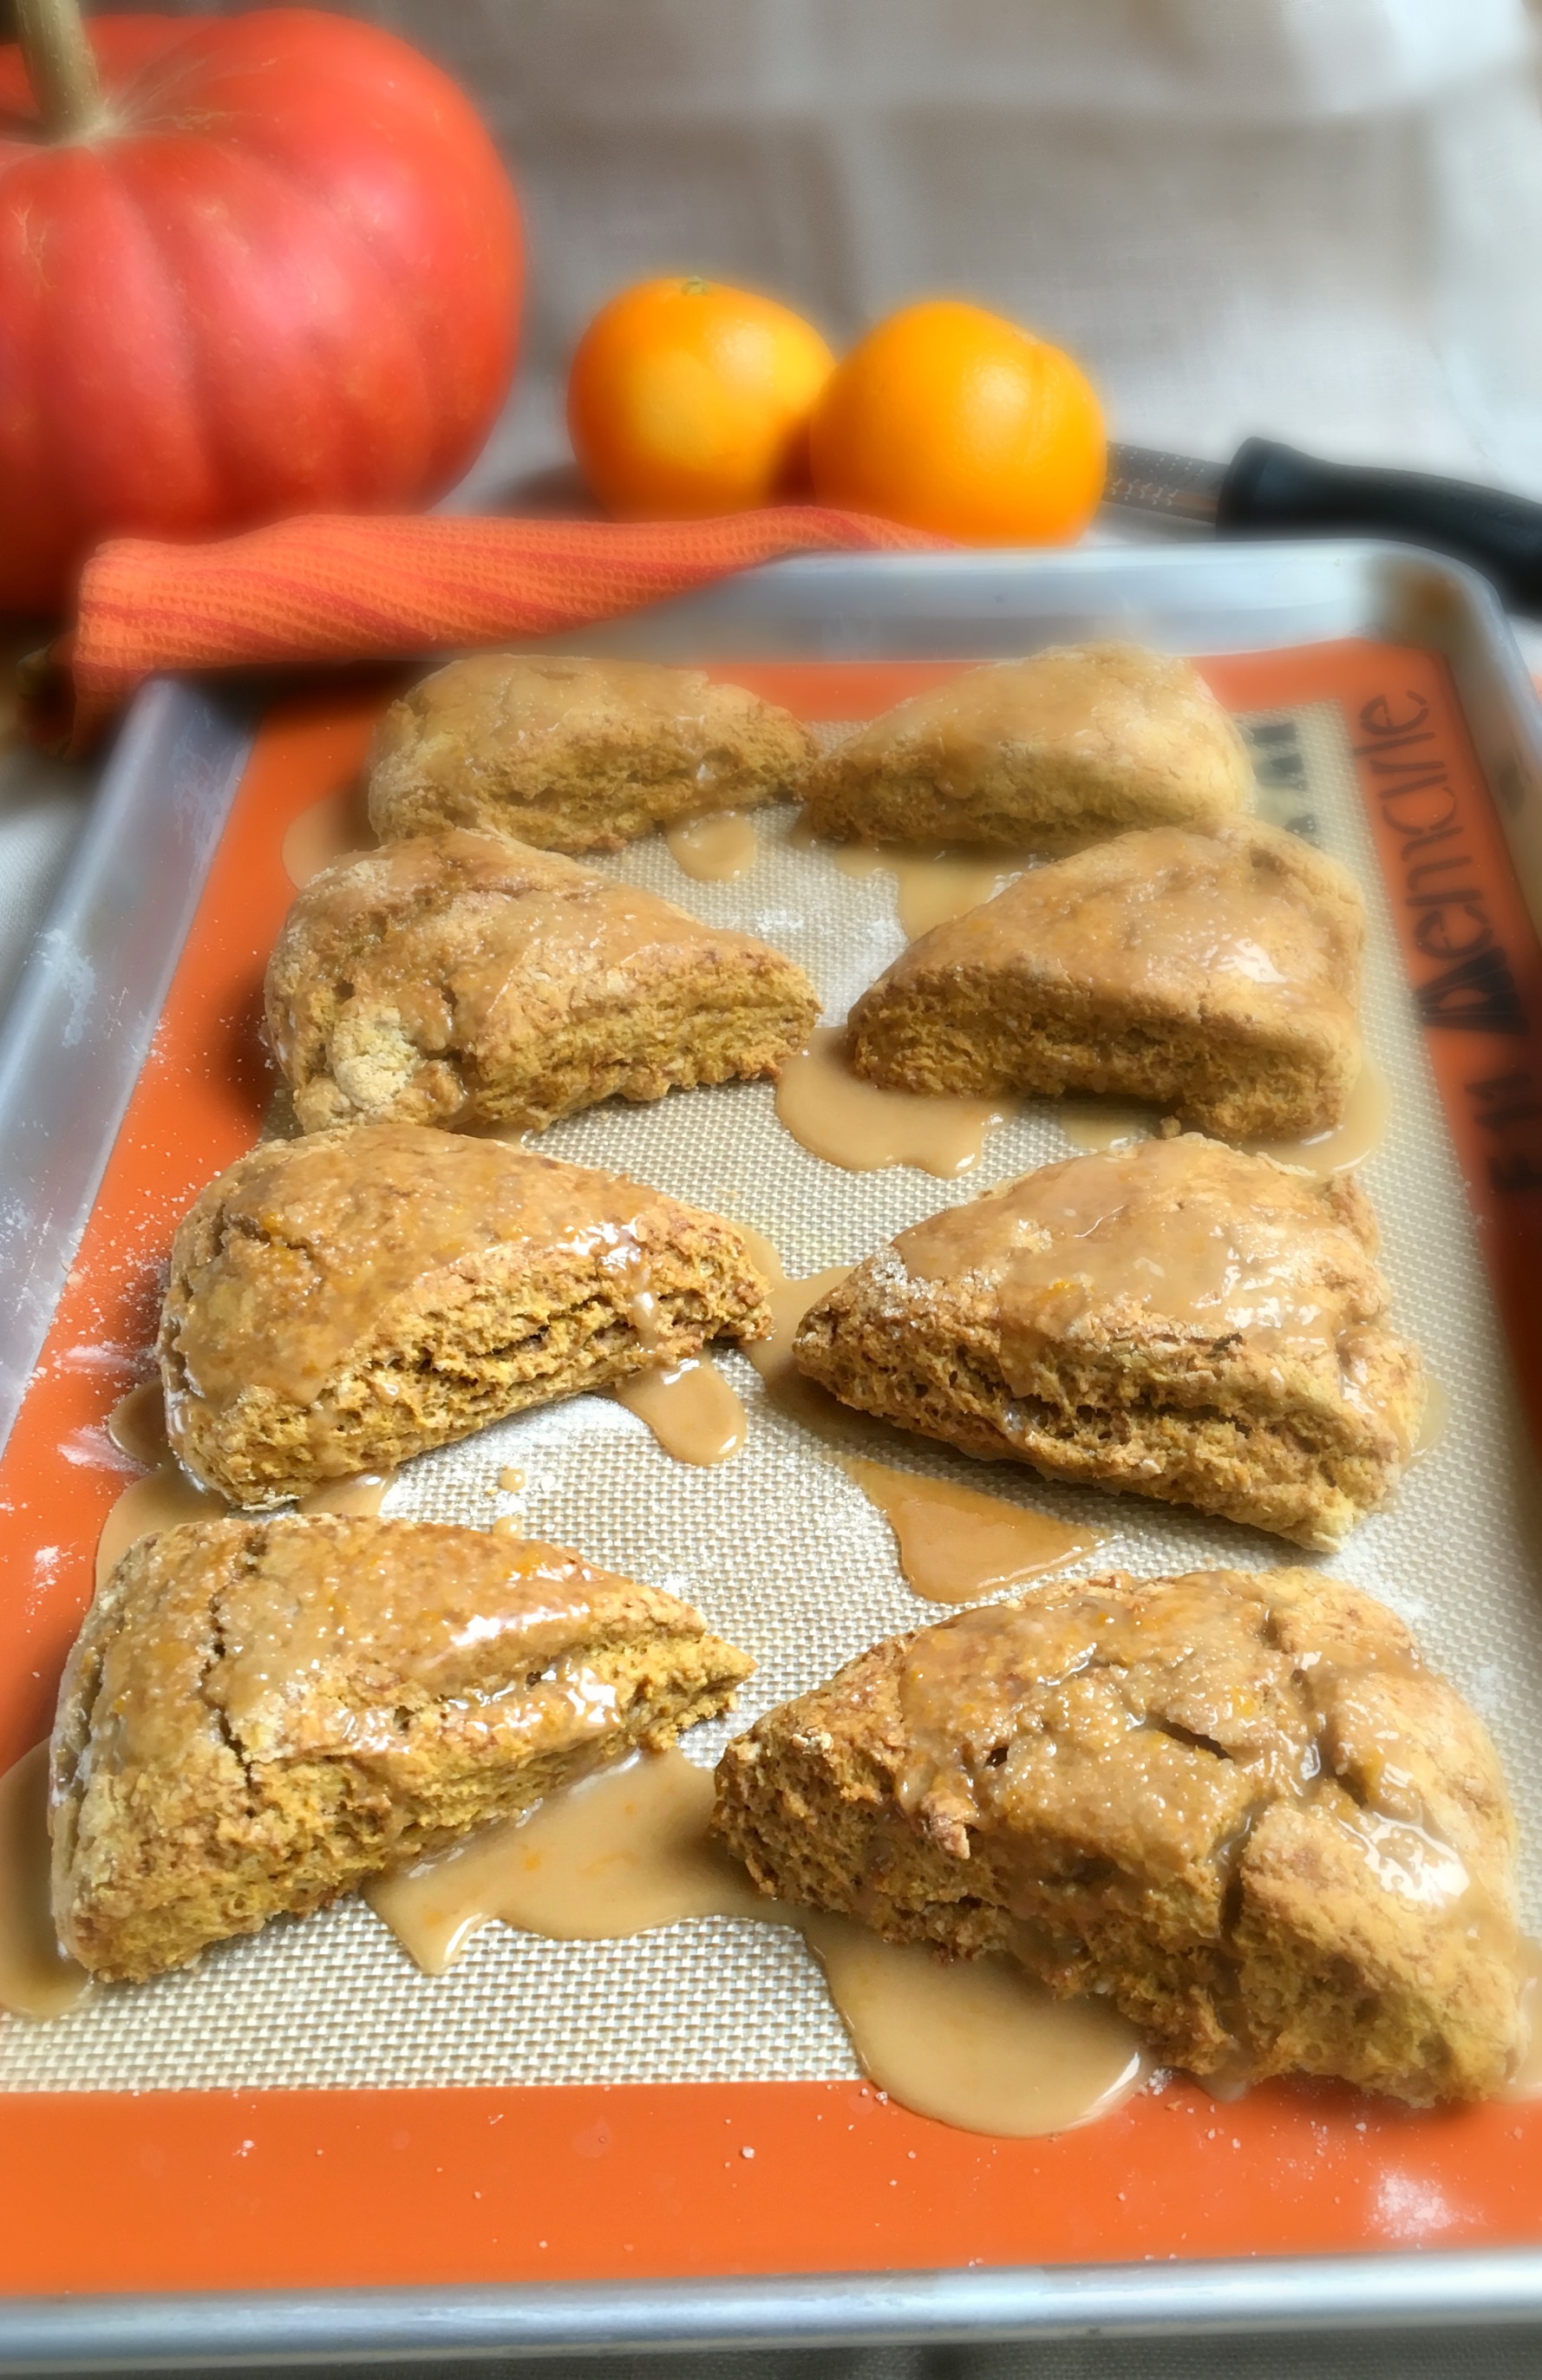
(786,1557)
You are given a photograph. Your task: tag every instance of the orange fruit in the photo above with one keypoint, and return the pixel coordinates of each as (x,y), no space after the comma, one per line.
(951,419)
(687,397)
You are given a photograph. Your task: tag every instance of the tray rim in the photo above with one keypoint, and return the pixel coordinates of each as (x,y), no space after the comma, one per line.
(91,993)
(64,1042)
(974,2307)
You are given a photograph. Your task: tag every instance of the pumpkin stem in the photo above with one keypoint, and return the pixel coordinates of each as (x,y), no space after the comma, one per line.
(60,67)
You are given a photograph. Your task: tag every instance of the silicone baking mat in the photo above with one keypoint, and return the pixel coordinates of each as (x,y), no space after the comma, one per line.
(687,2101)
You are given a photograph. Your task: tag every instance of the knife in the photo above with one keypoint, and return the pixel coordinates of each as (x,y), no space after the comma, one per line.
(1272,491)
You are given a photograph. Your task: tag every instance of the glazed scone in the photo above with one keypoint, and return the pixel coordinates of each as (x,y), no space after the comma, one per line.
(340,1303)
(1237,1805)
(1075,743)
(1174,1319)
(257,1715)
(1218,974)
(463,980)
(576,756)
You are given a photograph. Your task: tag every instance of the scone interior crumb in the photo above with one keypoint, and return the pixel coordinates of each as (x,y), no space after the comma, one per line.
(575,755)
(1216,975)
(1239,1805)
(465,978)
(1074,742)
(340,1303)
(1176,1319)
(257,1715)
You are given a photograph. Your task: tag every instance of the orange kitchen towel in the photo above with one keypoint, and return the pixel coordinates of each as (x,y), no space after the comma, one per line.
(343,588)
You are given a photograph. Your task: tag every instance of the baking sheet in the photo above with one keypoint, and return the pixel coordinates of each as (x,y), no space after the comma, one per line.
(575,2141)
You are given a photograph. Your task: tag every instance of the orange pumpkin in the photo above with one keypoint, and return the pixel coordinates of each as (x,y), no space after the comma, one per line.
(249,266)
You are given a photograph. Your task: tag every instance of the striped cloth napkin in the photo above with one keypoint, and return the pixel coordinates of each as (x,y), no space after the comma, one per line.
(331,587)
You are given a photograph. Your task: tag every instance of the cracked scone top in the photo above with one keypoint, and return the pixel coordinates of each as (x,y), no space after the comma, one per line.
(464,979)
(339,1303)
(257,1715)
(1238,1804)
(576,756)
(1075,742)
(1174,1320)
(1218,974)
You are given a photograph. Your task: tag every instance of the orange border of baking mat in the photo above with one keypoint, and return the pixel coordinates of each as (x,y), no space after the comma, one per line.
(106,2191)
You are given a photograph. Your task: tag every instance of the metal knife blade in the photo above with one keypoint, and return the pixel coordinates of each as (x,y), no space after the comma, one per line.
(1175,487)
(1268,490)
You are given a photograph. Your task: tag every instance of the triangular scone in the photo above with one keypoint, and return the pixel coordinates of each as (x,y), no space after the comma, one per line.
(1238,1806)
(1078,741)
(340,1303)
(258,1715)
(463,979)
(575,755)
(1174,1320)
(1218,974)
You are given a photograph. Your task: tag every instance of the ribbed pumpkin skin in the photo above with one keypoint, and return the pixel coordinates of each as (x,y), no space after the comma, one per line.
(285,278)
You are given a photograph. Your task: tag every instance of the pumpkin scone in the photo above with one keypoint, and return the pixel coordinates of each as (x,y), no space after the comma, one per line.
(1218,974)
(576,756)
(1174,1319)
(464,979)
(258,1715)
(1075,743)
(1237,1805)
(339,1303)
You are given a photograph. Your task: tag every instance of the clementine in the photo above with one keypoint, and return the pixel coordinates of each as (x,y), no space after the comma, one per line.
(952,420)
(687,397)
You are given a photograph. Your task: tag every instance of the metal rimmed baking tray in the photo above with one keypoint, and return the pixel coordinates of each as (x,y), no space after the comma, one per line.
(271,2186)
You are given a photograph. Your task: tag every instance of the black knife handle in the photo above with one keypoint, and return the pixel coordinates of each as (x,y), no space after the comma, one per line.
(1273,491)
